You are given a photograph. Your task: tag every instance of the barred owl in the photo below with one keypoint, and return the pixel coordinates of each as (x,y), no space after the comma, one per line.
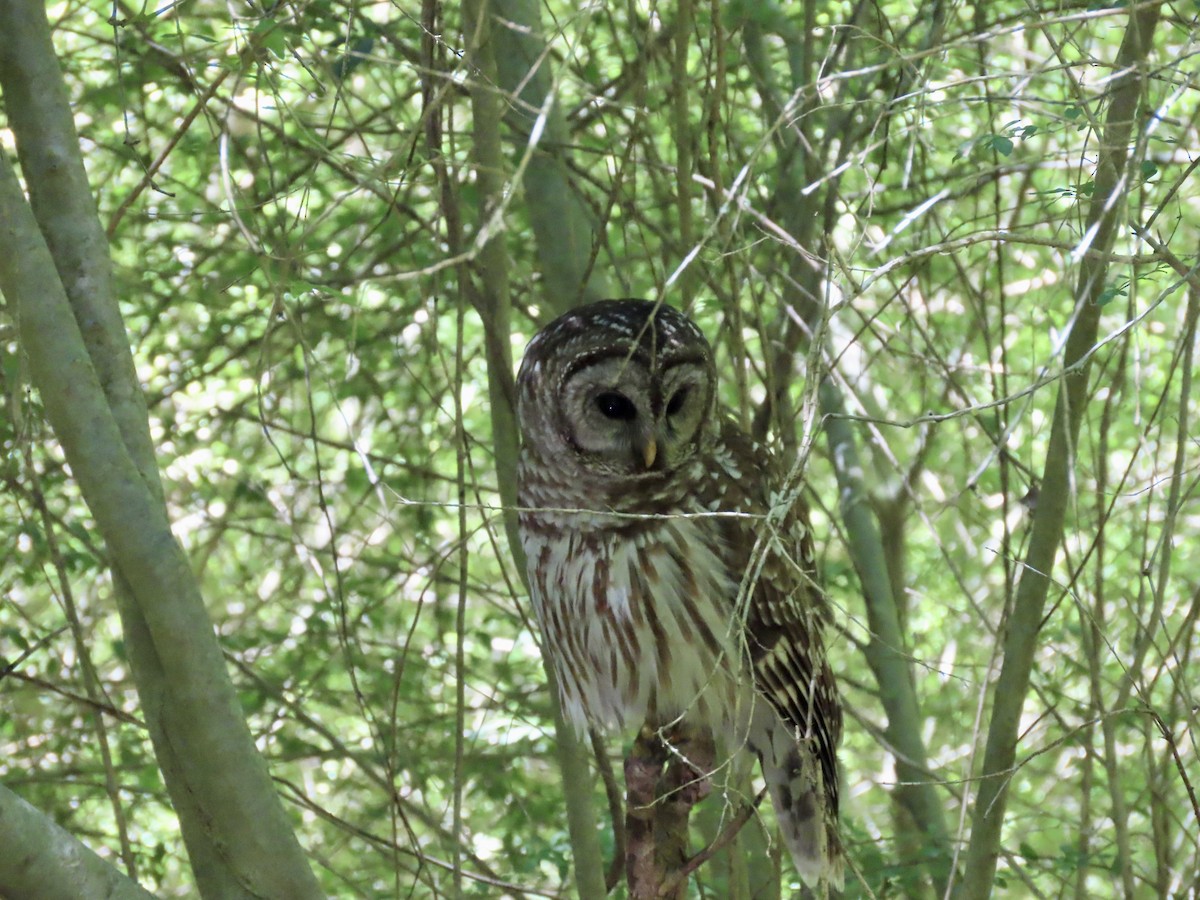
(669,582)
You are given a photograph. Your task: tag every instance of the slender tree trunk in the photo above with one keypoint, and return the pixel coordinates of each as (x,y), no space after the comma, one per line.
(492,302)
(806,217)
(563,228)
(1021,639)
(55,272)
(45,861)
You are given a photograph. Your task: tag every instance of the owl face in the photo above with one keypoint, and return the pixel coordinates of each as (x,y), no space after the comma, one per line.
(618,388)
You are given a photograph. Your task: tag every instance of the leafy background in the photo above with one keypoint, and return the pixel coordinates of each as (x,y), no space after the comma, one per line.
(298,196)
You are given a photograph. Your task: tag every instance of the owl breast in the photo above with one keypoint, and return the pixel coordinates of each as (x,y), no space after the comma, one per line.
(638,616)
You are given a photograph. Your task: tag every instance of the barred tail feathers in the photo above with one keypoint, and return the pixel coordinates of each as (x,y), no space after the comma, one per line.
(795,782)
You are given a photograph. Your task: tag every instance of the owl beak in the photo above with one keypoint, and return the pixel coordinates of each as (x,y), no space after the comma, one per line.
(650,452)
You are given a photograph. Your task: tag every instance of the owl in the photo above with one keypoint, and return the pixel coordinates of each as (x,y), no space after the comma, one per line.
(672,579)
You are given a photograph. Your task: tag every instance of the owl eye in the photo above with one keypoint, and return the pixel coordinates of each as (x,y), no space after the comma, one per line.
(675,404)
(613,405)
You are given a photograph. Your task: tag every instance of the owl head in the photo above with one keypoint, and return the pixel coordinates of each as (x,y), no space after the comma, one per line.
(623,389)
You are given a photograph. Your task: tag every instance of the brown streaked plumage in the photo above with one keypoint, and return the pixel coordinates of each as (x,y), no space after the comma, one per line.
(670,578)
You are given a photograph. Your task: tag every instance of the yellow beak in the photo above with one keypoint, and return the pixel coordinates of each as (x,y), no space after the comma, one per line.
(650,452)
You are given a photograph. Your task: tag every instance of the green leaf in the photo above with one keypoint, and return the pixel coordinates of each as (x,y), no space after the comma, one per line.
(1109,294)
(356,54)
(271,36)
(15,636)
(1149,169)
(1002,145)
(200,36)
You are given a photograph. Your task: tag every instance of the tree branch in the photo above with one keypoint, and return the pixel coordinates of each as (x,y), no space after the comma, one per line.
(41,860)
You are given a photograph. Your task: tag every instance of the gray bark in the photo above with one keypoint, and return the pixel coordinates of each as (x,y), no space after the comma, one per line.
(56,276)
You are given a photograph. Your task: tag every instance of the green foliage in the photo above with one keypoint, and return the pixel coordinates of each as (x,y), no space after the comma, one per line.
(292,199)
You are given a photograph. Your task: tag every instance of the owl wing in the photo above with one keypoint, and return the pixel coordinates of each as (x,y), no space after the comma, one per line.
(784,613)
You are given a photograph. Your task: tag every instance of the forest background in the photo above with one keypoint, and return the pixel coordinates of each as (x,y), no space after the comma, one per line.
(266,268)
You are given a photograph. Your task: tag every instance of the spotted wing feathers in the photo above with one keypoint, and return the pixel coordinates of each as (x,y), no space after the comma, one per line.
(796,733)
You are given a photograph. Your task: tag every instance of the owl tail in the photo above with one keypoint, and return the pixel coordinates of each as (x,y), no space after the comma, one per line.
(794,781)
